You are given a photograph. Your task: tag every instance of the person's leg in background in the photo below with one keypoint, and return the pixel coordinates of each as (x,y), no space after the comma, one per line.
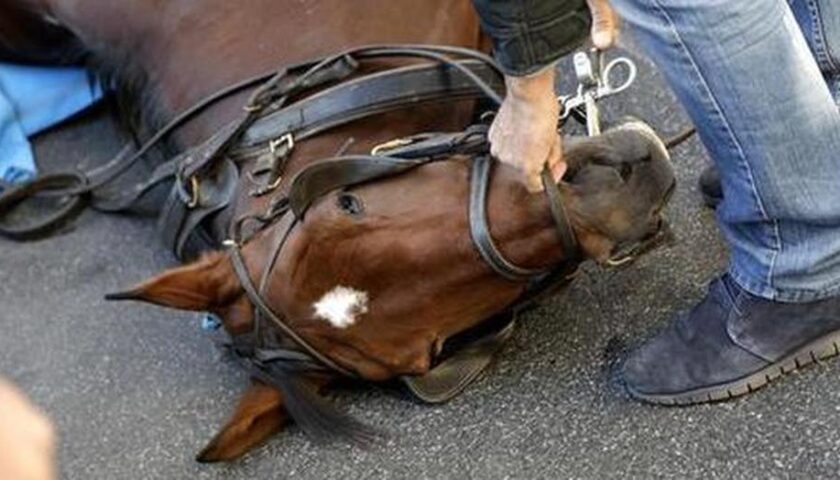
(745,74)
(820,23)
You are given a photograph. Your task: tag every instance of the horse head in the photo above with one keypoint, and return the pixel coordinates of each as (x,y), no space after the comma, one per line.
(378,276)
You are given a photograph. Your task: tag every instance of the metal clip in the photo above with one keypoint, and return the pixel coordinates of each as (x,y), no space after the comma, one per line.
(588,75)
(595,82)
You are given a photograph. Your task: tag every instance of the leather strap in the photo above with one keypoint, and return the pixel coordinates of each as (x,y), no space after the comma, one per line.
(178,220)
(451,376)
(248,285)
(370,95)
(46,185)
(568,240)
(480,231)
(318,179)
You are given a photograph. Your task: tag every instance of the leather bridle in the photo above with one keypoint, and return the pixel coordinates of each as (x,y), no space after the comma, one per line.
(203,178)
(393,158)
(342,172)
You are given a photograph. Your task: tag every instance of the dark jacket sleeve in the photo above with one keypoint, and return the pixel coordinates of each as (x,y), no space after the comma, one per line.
(530,34)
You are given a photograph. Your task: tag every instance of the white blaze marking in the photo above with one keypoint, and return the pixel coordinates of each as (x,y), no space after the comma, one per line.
(341,305)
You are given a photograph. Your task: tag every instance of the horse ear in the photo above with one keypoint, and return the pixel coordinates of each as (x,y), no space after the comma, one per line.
(208,283)
(259,415)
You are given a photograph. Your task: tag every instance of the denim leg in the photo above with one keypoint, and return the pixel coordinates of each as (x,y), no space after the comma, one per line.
(745,74)
(820,22)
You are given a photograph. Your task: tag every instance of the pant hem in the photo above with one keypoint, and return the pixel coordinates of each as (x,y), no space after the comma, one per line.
(761,289)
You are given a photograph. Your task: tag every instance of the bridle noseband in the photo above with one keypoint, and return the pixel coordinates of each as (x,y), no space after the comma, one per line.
(480,232)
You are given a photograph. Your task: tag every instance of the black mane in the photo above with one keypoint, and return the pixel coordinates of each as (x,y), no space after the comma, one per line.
(30,38)
(135,99)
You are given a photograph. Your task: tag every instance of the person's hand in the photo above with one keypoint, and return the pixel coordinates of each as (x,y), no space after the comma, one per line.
(524,132)
(604,24)
(27,439)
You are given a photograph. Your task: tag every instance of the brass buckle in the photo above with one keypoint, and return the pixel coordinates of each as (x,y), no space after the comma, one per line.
(194,192)
(392,144)
(288,139)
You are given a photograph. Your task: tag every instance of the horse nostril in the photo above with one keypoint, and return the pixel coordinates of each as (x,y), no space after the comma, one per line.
(350,204)
(625,170)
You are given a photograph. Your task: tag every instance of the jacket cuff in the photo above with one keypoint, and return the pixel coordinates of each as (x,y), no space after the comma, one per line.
(527,45)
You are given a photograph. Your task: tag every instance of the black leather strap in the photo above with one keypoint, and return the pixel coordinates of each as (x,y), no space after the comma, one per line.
(46,185)
(371,95)
(256,299)
(568,240)
(480,230)
(181,214)
(322,177)
(450,377)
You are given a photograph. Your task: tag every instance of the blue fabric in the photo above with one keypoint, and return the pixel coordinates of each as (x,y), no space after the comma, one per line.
(33,99)
(757,78)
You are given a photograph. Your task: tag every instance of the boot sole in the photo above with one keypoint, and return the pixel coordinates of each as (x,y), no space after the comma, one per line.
(814,352)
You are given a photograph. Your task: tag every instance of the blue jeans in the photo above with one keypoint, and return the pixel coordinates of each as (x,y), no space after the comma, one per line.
(759,79)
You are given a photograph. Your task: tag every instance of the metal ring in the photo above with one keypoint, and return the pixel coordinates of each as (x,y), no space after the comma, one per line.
(632,71)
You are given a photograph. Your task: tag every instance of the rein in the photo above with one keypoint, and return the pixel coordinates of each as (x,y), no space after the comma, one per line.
(274,90)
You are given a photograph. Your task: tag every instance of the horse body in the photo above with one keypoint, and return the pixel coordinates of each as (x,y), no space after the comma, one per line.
(409,252)
(183,50)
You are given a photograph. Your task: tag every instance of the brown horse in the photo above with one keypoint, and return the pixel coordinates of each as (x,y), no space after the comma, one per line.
(377,288)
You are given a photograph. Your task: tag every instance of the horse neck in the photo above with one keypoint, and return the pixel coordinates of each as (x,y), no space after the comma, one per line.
(186,49)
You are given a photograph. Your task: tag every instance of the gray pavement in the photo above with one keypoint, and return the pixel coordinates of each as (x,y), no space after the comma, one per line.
(136,391)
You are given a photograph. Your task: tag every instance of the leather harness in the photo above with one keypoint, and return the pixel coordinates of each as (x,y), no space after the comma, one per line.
(204,180)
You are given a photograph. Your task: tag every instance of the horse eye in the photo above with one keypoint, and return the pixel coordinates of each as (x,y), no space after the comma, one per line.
(350,204)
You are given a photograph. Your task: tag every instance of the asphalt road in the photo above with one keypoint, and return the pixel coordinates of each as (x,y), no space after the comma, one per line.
(136,391)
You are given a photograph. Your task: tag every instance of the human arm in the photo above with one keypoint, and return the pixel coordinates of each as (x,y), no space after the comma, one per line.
(529,36)
(26,438)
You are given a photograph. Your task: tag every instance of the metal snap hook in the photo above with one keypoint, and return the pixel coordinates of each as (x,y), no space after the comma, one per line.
(595,83)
